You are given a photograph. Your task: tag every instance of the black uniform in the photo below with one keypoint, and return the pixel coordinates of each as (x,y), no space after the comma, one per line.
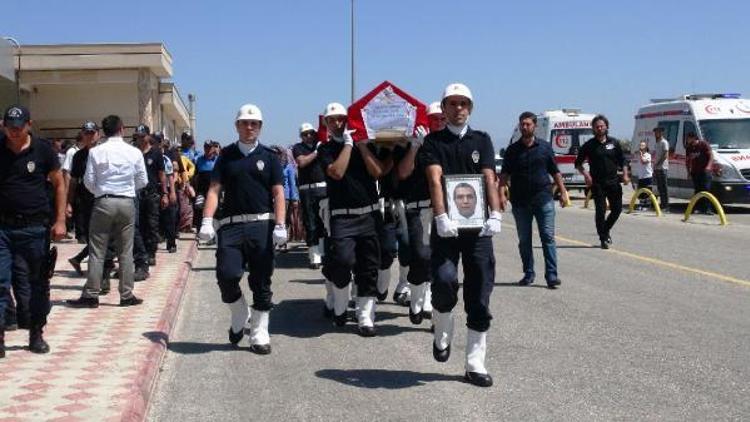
(467,155)
(25,218)
(605,160)
(354,244)
(149,202)
(393,241)
(311,193)
(247,182)
(169,215)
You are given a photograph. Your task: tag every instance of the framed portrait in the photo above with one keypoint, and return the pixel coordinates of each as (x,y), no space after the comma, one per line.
(465,201)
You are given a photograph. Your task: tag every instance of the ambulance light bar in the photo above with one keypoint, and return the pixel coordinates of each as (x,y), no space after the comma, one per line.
(698,97)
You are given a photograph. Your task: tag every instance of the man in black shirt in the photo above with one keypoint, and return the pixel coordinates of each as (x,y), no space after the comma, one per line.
(458,149)
(251,176)
(528,165)
(151,199)
(312,189)
(354,248)
(26,164)
(605,159)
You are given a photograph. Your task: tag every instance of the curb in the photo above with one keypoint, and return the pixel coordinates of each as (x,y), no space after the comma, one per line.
(140,394)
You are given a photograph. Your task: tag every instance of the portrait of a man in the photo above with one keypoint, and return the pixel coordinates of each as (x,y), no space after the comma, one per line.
(465,198)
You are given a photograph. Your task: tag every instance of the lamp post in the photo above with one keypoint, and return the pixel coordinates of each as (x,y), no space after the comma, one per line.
(17,46)
(191,113)
(352,69)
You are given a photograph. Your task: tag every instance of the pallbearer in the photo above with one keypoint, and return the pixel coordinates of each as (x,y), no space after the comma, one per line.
(312,189)
(253,223)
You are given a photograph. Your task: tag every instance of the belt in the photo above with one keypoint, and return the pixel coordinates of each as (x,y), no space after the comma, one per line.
(312,186)
(356,211)
(107,195)
(245,218)
(419,204)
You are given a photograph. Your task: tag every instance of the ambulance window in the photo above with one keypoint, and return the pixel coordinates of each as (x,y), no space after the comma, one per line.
(670,132)
(687,127)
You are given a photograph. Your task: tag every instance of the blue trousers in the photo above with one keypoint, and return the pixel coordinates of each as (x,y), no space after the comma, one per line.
(24,251)
(544,212)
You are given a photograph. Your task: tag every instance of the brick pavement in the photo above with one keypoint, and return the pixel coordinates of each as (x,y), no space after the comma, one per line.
(103,362)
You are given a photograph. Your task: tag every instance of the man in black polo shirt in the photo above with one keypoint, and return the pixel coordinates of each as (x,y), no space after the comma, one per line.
(312,189)
(351,172)
(26,163)
(529,163)
(458,149)
(251,176)
(605,159)
(151,199)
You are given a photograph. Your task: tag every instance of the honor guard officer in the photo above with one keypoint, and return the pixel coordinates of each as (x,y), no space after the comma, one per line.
(312,189)
(416,199)
(351,172)
(26,163)
(458,149)
(254,212)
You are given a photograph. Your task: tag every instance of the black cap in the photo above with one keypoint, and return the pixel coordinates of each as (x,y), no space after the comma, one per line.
(186,135)
(89,126)
(142,130)
(158,136)
(16,116)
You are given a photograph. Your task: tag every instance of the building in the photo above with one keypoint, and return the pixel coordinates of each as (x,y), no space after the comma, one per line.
(7,75)
(66,84)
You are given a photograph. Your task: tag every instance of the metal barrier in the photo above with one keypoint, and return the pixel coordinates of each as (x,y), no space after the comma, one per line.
(651,195)
(712,199)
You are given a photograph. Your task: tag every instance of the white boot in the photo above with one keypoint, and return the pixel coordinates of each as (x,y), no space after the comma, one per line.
(402,292)
(320,248)
(329,295)
(260,340)
(384,281)
(313,254)
(340,302)
(239,312)
(427,298)
(443,336)
(417,303)
(366,316)
(476,350)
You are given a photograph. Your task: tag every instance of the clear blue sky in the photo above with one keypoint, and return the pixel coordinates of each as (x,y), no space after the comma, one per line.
(292,57)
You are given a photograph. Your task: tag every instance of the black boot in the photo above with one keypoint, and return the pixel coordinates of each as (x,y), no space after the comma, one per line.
(36,342)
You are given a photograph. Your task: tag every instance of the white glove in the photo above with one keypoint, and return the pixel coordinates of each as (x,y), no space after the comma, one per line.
(318,145)
(418,139)
(279,235)
(207,232)
(493,225)
(445,226)
(348,140)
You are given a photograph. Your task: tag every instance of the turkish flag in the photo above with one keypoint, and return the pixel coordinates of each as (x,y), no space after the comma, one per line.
(408,114)
(322,129)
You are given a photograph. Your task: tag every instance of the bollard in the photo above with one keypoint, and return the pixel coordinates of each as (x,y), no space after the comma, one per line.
(711,198)
(651,195)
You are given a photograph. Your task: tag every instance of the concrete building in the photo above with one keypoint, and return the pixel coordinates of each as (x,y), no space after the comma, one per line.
(65,85)
(7,75)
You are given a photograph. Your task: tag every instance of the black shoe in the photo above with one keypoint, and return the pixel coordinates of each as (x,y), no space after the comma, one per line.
(36,342)
(105,288)
(480,380)
(140,274)
(261,349)
(327,312)
(352,304)
(426,314)
(131,301)
(235,338)
(401,298)
(151,261)
(604,244)
(441,355)
(552,284)
(83,302)
(609,239)
(76,264)
(314,266)
(526,280)
(417,318)
(365,331)
(172,249)
(382,296)
(340,320)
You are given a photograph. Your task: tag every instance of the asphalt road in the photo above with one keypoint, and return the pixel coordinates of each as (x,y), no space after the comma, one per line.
(654,329)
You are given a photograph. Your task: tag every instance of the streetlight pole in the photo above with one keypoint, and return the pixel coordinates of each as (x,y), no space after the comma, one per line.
(352,70)
(17,45)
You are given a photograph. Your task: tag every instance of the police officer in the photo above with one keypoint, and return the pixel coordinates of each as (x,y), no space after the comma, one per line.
(458,149)
(418,212)
(26,163)
(312,189)
(168,214)
(204,165)
(254,212)
(605,159)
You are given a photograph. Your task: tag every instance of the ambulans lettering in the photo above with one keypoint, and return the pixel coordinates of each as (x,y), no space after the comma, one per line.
(741,157)
(575,124)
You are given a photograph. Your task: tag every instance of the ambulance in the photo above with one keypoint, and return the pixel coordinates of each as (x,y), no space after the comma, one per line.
(566,129)
(722,120)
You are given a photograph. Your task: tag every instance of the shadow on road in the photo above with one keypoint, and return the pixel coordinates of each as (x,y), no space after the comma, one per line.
(382,378)
(189,347)
(300,318)
(308,280)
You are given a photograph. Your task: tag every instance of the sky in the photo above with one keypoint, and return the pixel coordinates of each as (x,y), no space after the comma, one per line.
(291,58)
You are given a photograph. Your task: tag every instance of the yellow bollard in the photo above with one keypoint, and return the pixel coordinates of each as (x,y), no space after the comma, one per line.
(711,198)
(651,195)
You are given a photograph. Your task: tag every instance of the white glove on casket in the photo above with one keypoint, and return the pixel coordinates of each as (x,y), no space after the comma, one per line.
(419,133)
(445,226)
(493,225)
(207,231)
(279,235)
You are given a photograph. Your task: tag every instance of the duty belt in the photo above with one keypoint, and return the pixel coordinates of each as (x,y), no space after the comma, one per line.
(245,218)
(418,204)
(356,211)
(313,186)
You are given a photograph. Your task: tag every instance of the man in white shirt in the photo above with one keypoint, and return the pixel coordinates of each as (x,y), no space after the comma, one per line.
(114,172)
(661,167)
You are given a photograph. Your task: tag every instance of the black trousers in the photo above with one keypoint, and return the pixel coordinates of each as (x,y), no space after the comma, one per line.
(168,219)
(149,208)
(393,243)
(478,261)
(661,184)
(246,245)
(419,251)
(601,194)
(354,248)
(701,182)
(314,228)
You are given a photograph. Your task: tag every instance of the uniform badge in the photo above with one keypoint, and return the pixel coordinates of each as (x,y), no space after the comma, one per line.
(31,166)
(261,165)
(475,157)
(150,161)
(610,146)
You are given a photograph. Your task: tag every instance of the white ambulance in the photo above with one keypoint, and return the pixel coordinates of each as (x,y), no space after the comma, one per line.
(722,120)
(566,129)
